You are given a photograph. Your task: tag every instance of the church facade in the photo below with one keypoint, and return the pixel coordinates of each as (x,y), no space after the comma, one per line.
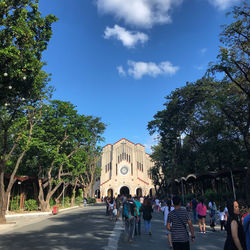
(125,170)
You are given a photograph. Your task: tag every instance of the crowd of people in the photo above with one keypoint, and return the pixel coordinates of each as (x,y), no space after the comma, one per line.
(177,218)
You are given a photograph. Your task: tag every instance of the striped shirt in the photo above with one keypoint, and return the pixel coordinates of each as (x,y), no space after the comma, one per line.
(178,218)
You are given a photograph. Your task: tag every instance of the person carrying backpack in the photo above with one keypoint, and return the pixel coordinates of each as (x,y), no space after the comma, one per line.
(129,212)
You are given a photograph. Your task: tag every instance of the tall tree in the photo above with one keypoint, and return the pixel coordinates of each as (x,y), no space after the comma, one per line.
(233,62)
(24,35)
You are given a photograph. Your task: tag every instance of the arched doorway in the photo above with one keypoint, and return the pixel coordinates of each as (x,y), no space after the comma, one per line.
(97,193)
(124,190)
(152,192)
(139,192)
(110,192)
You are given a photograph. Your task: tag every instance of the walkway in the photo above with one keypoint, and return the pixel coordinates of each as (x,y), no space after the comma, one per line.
(158,240)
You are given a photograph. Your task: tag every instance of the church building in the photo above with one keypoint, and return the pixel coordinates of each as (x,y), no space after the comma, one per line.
(125,170)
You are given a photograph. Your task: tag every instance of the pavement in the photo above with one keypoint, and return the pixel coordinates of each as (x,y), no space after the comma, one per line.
(88,228)
(18,220)
(158,240)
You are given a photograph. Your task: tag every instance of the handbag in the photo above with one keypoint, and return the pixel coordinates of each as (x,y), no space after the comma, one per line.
(115,212)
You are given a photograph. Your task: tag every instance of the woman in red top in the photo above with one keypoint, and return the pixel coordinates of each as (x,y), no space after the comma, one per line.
(202,212)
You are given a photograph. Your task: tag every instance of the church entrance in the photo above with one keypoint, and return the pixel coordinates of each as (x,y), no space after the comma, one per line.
(139,192)
(124,190)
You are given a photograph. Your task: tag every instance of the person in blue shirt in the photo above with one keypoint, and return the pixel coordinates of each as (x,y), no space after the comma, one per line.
(138,221)
(246,226)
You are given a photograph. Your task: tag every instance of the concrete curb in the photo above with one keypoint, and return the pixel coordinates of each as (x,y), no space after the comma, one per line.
(38,213)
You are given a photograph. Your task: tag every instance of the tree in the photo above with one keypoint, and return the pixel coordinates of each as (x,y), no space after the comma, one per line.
(210,141)
(24,35)
(61,148)
(233,62)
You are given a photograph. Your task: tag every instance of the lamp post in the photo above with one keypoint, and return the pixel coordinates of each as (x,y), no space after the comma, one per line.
(232,179)
(182,190)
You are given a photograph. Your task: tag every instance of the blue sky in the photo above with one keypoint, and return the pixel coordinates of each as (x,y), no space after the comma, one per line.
(118,59)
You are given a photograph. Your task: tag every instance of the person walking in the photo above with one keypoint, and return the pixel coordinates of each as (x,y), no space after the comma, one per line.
(147,215)
(130,215)
(202,213)
(118,204)
(213,211)
(111,208)
(166,210)
(176,223)
(194,205)
(222,218)
(235,233)
(138,220)
(246,226)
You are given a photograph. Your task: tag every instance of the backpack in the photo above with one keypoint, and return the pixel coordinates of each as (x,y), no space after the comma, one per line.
(128,209)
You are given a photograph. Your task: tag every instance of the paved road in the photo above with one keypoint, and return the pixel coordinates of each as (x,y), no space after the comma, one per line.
(158,240)
(84,228)
(89,229)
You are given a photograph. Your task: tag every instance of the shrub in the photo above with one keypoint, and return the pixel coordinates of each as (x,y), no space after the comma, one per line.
(66,201)
(52,202)
(91,200)
(78,200)
(14,205)
(210,195)
(31,205)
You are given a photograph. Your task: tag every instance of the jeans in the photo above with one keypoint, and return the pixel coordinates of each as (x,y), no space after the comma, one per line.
(195,216)
(147,224)
(130,227)
(138,226)
(181,245)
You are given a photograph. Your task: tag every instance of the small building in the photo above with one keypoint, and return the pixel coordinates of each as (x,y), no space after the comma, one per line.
(125,170)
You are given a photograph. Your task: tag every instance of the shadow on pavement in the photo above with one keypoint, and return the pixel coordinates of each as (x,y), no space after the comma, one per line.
(81,229)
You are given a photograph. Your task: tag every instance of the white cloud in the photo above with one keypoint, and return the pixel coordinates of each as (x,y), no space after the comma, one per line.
(128,38)
(139,13)
(223,4)
(199,67)
(121,71)
(139,69)
(203,51)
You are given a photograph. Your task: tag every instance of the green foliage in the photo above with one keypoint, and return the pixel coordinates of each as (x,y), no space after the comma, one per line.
(14,204)
(91,200)
(31,205)
(78,200)
(210,195)
(204,125)
(52,202)
(66,201)
(24,35)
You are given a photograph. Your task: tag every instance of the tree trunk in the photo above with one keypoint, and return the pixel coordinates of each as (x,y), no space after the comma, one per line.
(73,196)
(44,204)
(2,196)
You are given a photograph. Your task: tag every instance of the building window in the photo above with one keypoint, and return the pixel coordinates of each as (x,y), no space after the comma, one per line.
(116,169)
(142,167)
(129,158)
(118,159)
(131,168)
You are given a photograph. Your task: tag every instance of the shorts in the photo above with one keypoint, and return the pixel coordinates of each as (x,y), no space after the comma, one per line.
(168,232)
(201,216)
